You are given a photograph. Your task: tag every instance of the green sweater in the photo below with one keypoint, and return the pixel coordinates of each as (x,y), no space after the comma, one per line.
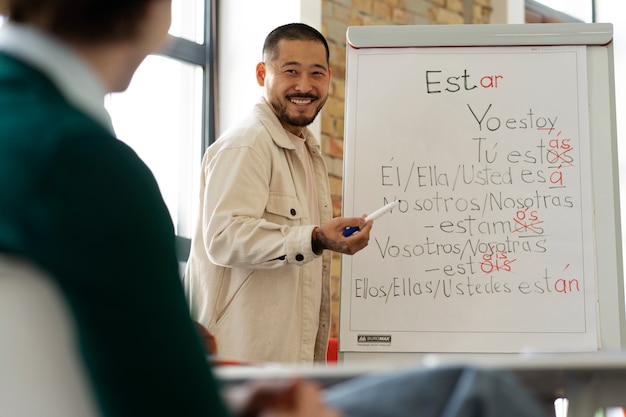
(82,205)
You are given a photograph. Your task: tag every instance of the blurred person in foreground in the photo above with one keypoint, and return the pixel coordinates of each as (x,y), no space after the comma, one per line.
(79,204)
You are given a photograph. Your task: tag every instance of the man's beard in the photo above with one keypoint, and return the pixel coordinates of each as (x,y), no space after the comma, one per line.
(300,120)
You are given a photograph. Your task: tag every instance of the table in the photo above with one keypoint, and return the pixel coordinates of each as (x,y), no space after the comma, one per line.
(589,381)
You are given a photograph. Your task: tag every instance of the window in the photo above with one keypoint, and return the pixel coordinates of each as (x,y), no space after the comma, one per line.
(188,20)
(163,115)
(160,117)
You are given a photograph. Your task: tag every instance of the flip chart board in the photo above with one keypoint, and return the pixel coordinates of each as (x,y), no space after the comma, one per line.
(498,142)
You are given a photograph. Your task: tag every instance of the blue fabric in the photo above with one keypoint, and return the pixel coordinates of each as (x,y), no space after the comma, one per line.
(437,392)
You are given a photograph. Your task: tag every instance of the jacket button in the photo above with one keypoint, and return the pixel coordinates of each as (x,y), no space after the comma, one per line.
(293,212)
(299,257)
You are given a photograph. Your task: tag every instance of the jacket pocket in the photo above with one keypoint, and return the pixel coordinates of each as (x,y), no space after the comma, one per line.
(284,209)
(228,297)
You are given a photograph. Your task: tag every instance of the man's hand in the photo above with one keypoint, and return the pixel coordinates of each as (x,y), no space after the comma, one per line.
(330,235)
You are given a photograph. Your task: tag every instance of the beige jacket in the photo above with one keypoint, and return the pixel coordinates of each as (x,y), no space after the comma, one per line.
(249,279)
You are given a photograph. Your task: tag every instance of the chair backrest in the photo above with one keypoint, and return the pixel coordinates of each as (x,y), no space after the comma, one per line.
(41,371)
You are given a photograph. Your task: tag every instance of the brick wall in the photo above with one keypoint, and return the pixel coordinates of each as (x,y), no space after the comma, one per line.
(337,15)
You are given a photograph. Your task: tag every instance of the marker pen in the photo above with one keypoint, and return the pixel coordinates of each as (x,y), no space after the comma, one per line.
(383,210)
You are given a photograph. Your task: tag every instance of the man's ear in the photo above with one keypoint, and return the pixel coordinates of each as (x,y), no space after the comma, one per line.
(260,73)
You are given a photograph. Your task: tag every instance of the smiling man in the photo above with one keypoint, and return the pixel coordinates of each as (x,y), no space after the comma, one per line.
(258,276)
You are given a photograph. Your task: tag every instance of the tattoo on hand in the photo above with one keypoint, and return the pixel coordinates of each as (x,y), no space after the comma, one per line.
(322,242)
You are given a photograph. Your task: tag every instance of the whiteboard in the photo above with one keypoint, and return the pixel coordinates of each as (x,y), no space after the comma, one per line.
(498,141)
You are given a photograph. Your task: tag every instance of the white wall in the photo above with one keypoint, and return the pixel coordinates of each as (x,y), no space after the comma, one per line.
(507,11)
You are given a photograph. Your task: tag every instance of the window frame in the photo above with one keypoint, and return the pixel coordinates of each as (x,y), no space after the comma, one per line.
(204,55)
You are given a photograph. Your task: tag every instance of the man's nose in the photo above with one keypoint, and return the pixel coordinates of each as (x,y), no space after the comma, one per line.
(304,84)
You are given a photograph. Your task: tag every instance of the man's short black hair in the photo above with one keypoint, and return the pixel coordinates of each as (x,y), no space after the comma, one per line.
(293,32)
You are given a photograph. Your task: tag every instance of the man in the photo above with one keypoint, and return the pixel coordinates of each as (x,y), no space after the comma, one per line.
(80,205)
(257,276)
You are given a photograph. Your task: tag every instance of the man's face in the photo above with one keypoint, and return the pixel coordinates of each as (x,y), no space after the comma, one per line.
(296,82)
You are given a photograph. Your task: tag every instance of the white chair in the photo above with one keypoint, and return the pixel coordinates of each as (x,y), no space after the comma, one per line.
(41,372)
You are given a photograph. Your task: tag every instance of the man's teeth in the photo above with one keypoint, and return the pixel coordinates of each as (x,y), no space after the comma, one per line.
(300,101)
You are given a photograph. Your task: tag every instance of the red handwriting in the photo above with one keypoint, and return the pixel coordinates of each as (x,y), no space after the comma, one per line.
(565,285)
(558,154)
(527,221)
(496,261)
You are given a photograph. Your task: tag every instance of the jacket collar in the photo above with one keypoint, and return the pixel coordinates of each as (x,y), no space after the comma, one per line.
(263,111)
